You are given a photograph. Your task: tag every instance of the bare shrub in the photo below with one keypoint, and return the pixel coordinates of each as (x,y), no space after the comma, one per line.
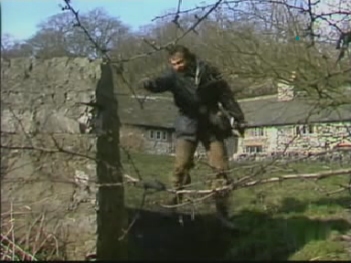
(132,138)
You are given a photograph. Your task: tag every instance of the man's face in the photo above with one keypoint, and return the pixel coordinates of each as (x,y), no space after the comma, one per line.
(178,62)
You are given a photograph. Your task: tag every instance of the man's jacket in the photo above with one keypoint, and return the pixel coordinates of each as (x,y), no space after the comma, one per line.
(197,93)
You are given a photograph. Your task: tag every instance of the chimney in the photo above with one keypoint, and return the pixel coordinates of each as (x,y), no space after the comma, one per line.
(285,89)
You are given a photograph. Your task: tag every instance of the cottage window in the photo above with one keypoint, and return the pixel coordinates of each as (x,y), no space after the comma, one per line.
(254,149)
(158,135)
(305,129)
(164,135)
(256,132)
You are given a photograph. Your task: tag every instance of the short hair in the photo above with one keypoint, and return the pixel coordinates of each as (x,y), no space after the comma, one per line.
(180,49)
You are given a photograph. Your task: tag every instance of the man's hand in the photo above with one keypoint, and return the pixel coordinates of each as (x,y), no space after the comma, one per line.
(145,84)
(241,127)
(238,126)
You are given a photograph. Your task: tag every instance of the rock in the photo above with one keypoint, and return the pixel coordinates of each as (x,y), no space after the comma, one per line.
(55,122)
(40,108)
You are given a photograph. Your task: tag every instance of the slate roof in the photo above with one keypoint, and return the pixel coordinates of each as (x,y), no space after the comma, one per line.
(262,111)
(159,112)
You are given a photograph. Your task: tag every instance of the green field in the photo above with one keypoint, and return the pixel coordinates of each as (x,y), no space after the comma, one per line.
(292,220)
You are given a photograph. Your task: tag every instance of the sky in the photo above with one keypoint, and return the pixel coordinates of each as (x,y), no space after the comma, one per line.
(20,17)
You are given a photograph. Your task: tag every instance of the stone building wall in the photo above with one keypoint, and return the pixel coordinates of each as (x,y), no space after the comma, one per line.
(311,138)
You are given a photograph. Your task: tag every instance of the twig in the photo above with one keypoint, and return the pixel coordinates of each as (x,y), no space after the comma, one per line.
(199,20)
(130,159)
(120,62)
(18,248)
(38,235)
(176,40)
(339,190)
(103,52)
(194,201)
(29,231)
(317,176)
(12,233)
(135,218)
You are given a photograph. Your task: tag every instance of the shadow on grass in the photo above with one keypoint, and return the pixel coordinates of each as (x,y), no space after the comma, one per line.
(277,238)
(155,236)
(263,236)
(294,205)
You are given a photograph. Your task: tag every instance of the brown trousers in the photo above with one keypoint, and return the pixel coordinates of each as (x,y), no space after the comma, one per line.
(184,161)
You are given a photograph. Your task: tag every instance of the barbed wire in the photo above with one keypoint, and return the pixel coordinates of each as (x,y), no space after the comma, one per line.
(118,64)
(192,196)
(156,186)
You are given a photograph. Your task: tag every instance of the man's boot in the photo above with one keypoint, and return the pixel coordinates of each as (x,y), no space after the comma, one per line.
(222,213)
(222,204)
(178,198)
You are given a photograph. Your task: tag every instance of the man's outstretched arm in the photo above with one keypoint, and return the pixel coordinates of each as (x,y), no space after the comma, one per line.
(163,83)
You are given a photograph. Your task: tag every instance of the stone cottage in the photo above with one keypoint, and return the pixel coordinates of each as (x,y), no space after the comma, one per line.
(277,123)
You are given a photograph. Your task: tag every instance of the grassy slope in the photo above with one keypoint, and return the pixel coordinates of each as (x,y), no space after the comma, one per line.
(288,221)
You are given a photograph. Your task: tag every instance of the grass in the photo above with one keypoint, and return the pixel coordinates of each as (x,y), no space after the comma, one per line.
(281,221)
(35,245)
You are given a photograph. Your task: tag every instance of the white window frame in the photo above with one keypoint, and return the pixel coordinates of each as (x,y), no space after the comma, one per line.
(158,135)
(257,132)
(256,147)
(305,129)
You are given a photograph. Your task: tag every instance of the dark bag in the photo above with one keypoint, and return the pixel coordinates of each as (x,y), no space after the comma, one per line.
(221,123)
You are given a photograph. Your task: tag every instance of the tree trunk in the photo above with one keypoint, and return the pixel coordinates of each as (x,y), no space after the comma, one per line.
(112,216)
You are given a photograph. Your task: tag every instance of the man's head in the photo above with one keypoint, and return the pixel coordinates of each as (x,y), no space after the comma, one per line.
(180,57)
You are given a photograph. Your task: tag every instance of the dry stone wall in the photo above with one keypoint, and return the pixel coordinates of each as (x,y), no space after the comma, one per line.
(48,149)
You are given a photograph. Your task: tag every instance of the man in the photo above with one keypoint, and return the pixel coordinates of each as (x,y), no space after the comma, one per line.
(198,89)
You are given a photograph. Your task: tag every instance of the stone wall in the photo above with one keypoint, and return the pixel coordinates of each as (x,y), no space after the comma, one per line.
(162,146)
(137,138)
(48,150)
(317,138)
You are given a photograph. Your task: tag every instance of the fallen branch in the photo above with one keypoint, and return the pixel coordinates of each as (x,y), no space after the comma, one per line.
(340,189)
(190,201)
(236,185)
(317,176)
